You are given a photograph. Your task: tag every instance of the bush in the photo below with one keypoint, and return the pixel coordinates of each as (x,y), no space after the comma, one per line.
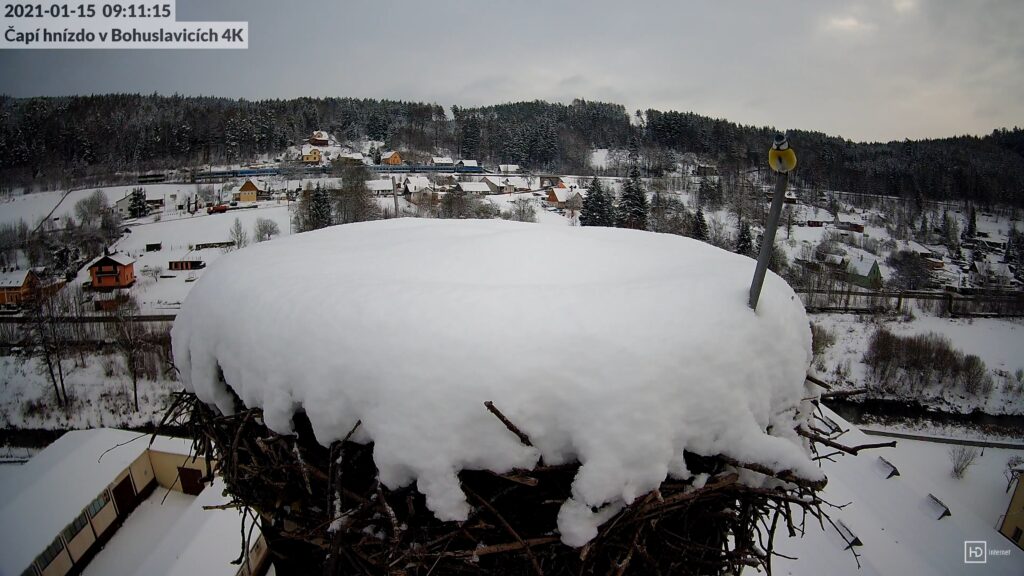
(821,338)
(911,364)
(961,457)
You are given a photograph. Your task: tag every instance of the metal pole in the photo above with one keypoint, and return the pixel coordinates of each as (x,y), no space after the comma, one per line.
(768,240)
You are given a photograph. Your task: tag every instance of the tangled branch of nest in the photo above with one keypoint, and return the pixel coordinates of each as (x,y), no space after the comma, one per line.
(323,511)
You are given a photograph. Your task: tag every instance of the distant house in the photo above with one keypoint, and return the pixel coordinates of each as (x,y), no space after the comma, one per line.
(851,223)
(551,180)
(186,265)
(1013,521)
(705,171)
(250,191)
(382,187)
(414,184)
(16,286)
(111,272)
(123,206)
(508,168)
(991,275)
(442,161)
(391,158)
(561,197)
(69,500)
(864,273)
(506,184)
(154,247)
(319,138)
(313,156)
(473,187)
(467,164)
(350,159)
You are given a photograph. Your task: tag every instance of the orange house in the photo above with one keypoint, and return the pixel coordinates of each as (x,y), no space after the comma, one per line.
(390,158)
(16,286)
(112,271)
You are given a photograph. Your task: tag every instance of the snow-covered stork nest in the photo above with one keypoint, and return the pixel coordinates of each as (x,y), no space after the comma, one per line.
(394,394)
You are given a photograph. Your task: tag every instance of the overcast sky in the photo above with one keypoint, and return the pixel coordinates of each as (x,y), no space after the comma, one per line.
(864,70)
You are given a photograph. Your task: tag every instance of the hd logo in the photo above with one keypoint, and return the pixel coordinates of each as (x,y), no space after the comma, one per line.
(975,552)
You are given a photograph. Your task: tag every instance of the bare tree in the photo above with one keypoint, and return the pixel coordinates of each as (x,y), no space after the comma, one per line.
(265,229)
(129,335)
(961,457)
(50,337)
(521,210)
(153,272)
(238,235)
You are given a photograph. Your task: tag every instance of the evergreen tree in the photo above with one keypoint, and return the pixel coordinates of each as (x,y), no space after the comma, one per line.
(699,230)
(597,206)
(633,204)
(317,209)
(744,243)
(972,224)
(354,202)
(137,207)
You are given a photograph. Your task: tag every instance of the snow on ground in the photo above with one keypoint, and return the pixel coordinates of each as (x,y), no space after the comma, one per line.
(544,216)
(28,207)
(894,518)
(178,237)
(615,360)
(998,342)
(99,399)
(141,533)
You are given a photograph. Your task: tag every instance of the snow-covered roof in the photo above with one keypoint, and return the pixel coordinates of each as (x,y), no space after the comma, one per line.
(565,194)
(636,378)
(518,182)
(445,160)
(861,266)
(893,518)
(383,185)
(476,187)
(15,278)
(469,163)
(918,249)
(416,183)
(387,155)
(198,542)
(320,135)
(51,489)
(120,258)
(508,167)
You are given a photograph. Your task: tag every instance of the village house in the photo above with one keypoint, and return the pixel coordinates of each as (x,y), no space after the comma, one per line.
(350,159)
(312,156)
(560,197)
(16,286)
(467,164)
(111,272)
(153,202)
(479,188)
(864,272)
(508,168)
(192,264)
(319,138)
(89,482)
(442,161)
(249,191)
(506,184)
(382,187)
(391,158)
(984,274)
(1013,521)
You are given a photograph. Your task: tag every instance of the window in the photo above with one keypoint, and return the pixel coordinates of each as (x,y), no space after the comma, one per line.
(51,552)
(94,508)
(74,528)
(1017,534)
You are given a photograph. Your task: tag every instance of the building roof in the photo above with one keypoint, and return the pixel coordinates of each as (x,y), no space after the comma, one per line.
(441,160)
(416,183)
(508,167)
(118,257)
(197,541)
(383,185)
(918,249)
(861,266)
(480,187)
(320,135)
(564,194)
(469,163)
(14,278)
(46,493)
(387,155)
(518,182)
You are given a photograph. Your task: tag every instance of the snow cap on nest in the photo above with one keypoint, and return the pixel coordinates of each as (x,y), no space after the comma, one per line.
(616,348)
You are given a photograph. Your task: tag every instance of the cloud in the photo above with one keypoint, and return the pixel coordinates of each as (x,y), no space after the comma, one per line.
(848,24)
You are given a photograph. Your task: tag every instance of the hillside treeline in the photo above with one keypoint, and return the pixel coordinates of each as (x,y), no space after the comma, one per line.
(54,141)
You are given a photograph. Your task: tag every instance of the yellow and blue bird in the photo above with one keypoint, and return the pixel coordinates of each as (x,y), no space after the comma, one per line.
(781,157)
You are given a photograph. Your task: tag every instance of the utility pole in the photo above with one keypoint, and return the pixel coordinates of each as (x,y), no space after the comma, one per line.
(782,159)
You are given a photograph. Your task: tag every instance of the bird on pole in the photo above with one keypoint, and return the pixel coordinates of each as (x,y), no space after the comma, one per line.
(781,157)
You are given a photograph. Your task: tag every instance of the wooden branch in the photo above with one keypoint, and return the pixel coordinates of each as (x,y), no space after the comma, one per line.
(507,547)
(508,423)
(848,449)
(508,527)
(784,475)
(843,393)
(819,382)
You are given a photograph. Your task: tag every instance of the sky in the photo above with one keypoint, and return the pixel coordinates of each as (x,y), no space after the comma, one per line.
(866,70)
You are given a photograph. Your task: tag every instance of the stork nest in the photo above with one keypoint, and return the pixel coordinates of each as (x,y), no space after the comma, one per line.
(322,510)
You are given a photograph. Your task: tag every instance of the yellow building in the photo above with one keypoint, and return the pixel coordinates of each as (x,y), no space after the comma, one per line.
(1013,522)
(391,158)
(64,504)
(248,192)
(312,157)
